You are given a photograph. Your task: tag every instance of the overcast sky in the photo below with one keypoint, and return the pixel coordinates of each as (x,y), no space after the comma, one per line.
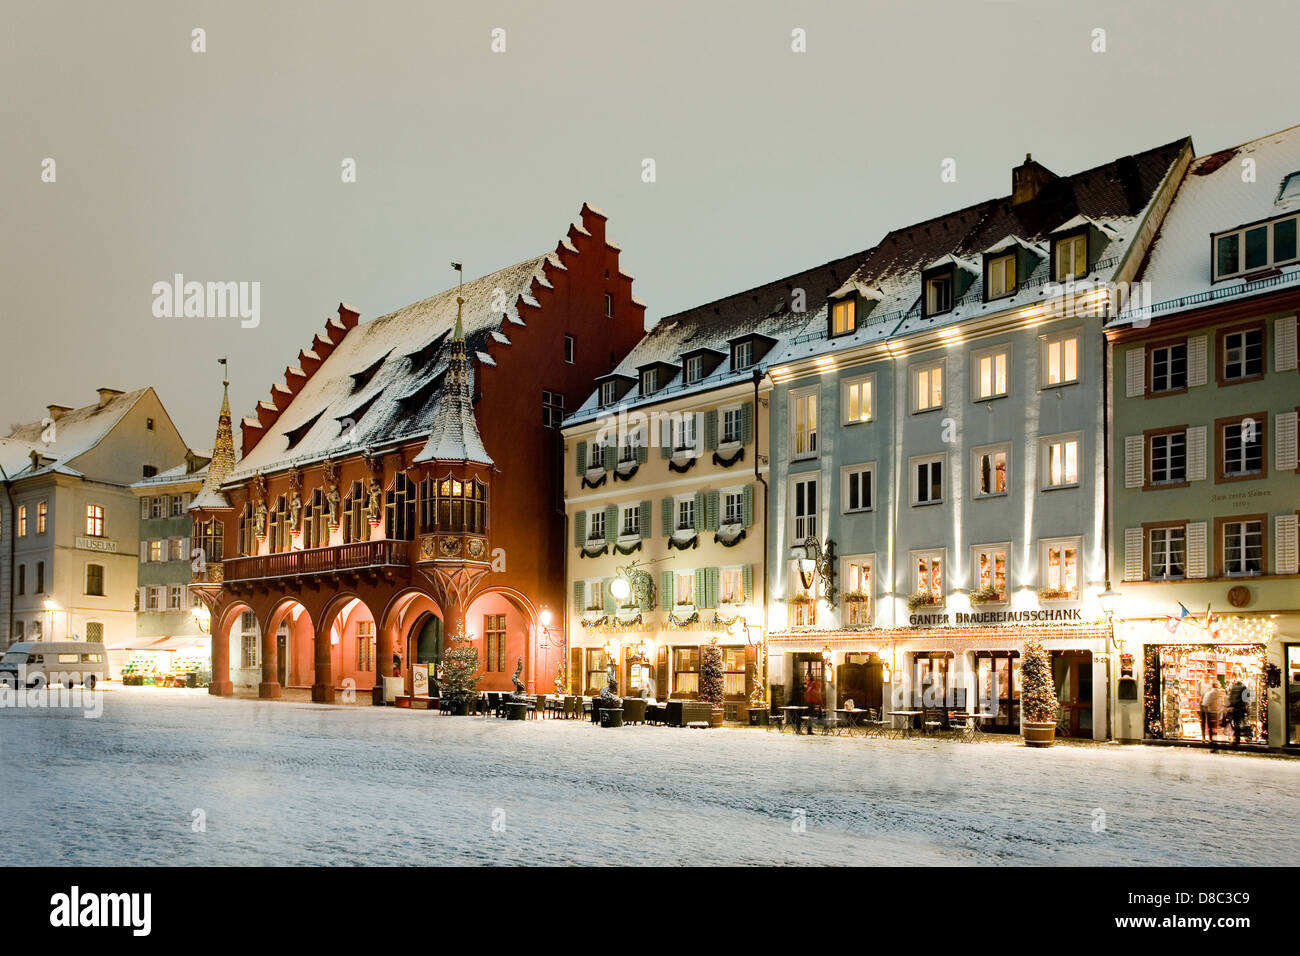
(225,165)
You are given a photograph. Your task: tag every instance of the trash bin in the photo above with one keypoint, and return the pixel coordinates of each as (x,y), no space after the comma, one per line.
(516,710)
(611,716)
(758,716)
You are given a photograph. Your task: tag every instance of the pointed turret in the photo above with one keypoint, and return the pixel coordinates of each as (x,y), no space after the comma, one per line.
(454,433)
(223,459)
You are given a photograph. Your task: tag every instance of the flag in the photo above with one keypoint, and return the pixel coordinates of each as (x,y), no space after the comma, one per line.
(1212,625)
(1171,623)
(1182,611)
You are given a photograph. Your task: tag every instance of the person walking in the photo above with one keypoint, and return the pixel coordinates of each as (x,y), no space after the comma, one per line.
(1207,710)
(1237,709)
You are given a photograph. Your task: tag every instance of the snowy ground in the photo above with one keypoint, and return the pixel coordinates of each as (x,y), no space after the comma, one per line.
(302,783)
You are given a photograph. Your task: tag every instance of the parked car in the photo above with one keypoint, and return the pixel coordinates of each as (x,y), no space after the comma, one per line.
(45,662)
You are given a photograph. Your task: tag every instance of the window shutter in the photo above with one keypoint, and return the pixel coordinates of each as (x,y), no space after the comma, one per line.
(666,590)
(1284,540)
(749,505)
(144,507)
(1134,471)
(711,511)
(1284,442)
(607,596)
(1197,364)
(747,582)
(1197,551)
(185,502)
(667,515)
(611,523)
(701,586)
(1132,554)
(642,452)
(747,422)
(611,456)
(665,438)
(1196,453)
(643,518)
(711,587)
(1135,369)
(1284,346)
(579,529)
(185,548)
(144,552)
(699,511)
(579,597)
(662,689)
(141,599)
(580,457)
(577,679)
(711,429)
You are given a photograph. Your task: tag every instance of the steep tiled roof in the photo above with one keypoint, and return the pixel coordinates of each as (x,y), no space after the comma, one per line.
(223,459)
(74,433)
(454,434)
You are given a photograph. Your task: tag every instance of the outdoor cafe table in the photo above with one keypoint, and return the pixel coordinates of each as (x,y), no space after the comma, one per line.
(852,713)
(907,723)
(792,713)
(973,719)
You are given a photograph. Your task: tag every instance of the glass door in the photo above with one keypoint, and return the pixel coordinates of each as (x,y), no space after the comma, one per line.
(1293,694)
(998,684)
(1072,674)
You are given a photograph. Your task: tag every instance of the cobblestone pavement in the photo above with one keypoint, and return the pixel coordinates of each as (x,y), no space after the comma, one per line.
(300,783)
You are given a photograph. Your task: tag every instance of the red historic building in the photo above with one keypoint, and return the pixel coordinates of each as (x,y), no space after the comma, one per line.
(404,482)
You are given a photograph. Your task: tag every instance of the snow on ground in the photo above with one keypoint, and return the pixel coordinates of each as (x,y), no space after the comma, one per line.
(309,784)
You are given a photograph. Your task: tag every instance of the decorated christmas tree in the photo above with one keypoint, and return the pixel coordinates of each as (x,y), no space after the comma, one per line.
(460,670)
(711,673)
(1037,690)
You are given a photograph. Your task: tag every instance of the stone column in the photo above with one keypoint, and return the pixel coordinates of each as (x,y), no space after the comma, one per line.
(221,685)
(269,689)
(322,691)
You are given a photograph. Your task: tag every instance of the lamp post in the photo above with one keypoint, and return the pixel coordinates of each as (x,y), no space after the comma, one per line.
(545,643)
(1109,599)
(814,559)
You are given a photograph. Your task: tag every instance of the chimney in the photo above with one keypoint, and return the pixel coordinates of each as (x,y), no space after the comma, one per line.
(1028,180)
(57,411)
(106,395)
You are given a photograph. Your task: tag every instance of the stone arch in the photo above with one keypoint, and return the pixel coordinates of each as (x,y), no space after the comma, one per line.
(520,640)
(346,639)
(397,621)
(225,616)
(292,663)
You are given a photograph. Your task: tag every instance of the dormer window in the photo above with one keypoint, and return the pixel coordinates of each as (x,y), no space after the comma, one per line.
(608,393)
(1290,188)
(694,369)
(938,293)
(1000,276)
(742,355)
(1252,248)
(1070,253)
(843,317)
(650,381)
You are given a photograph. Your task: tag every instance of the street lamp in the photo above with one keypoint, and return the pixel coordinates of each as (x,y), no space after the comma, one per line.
(202,618)
(814,560)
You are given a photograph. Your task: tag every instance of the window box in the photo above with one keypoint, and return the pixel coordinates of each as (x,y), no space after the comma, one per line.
(923,599)
(1056,594)
(988,595)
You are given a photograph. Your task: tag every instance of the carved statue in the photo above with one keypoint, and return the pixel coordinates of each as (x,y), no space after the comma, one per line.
(519,685)
(332,505)
(295,510)
(373,494)
(259,519)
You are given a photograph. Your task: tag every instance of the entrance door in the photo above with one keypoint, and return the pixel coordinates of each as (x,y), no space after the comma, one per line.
(1293,694)
(1072,674)
(809,671)
(860,682)
(998,684)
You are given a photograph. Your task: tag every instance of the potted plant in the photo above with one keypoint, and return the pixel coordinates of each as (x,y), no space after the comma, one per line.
(921,599)
(1038,704)
(711,680)
(460,675)
(988,594)
(1055,594)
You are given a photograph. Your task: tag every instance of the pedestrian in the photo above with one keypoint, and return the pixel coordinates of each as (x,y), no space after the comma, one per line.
(1207,710)
(1237,709)
(812,694)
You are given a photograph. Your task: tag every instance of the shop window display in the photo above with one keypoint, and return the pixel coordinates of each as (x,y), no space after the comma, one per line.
(1183,677)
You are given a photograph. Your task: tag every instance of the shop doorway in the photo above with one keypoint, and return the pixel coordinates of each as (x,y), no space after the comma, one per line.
(1072,674)
(808,681)
(931,679)
(1292,657)
(1180,675)
(860,680)
(997,678)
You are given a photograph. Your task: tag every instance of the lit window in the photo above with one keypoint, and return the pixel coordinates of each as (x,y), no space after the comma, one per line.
(928,569)
(1060,570)
(22,521)
(991,573)
(803,416)
(684,588)
(857,399)
(991,373)
(843,317)
(365,645)
(731,586)
(927,387)
(1059,359)
(494,640)
(1071,257)
(42,512)
(857,592)
(991,471)
(94,521)
(1060,457)
(1001,276)
(155,550)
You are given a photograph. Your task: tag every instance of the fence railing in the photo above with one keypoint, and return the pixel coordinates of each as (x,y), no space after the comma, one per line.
(345,557)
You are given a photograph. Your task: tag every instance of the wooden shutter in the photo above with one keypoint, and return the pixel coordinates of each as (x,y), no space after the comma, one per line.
(1196,453)
(577,677)
(666,590)
(1284,540)
(1132,554)
(611,456)
(579,529)
(699,511)
(1197,550)
(641,452)
(1134,469)
(701,588)
(580,457)
(141,597)
(711,429)
(665,437)
(607,601)
(711,511)
(1197,360)
(144,552)
(711,586)
(667,515)
(579,597)
(1284,440)
(144,507)
(186,548)
(1135,370)
(747,422)
(611,523)
(662,690)
(1284,344)
(749,505)
(747,583)
(643,518)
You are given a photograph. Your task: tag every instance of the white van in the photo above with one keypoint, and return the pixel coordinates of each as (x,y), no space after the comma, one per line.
(47,662)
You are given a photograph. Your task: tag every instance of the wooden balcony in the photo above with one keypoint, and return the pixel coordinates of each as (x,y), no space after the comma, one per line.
(362,556)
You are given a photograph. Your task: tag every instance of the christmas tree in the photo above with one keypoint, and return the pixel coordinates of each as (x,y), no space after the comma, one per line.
(711,673)
(1037,690)
(460,670)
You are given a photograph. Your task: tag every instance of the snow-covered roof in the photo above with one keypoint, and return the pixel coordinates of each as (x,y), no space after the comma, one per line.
(1215,196)
(385,375)
(73,433)
(1116,197)
(454,434)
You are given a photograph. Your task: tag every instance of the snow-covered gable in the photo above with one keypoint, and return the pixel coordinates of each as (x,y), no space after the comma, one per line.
(74,433)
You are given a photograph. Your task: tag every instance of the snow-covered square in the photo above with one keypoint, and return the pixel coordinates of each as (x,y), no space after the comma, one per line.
(178,777)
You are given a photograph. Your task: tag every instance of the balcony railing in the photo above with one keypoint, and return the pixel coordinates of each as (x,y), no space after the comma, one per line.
(346,557)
